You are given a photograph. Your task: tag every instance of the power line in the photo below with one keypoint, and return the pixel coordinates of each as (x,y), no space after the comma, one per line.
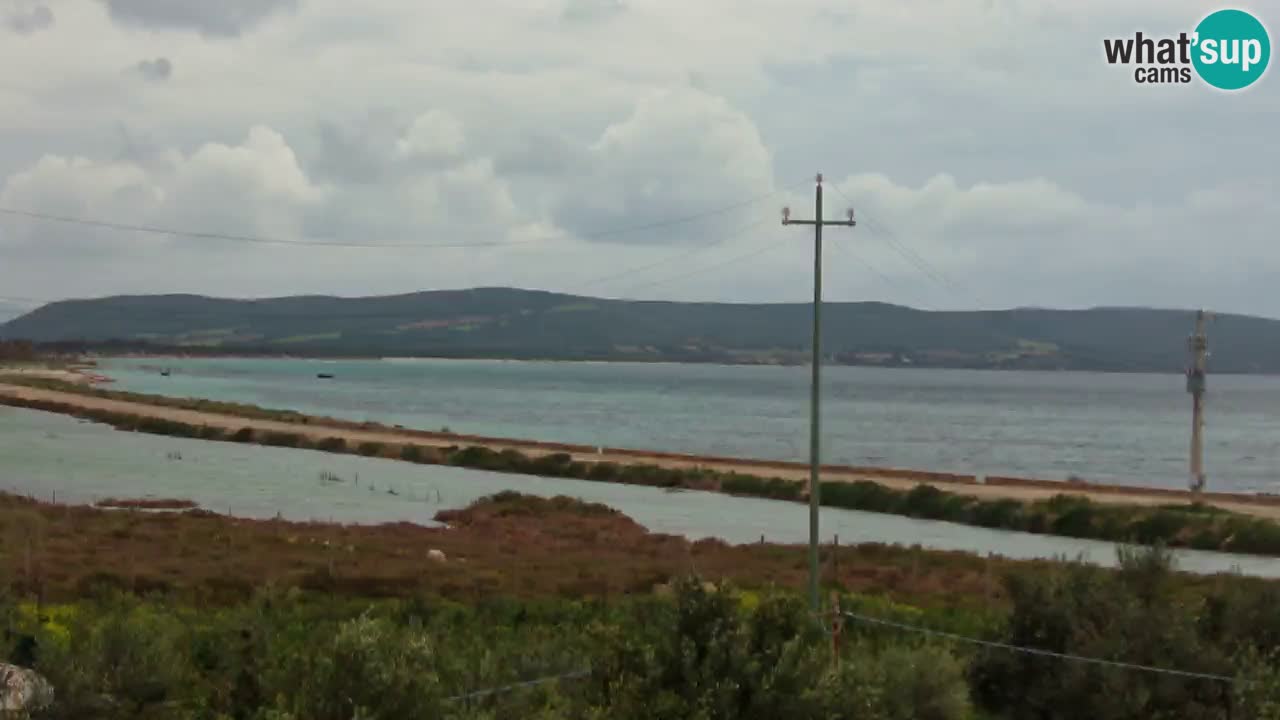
(864,262)
(253,239)
(488,692)
(1034,651)
(911,256)
(700,248)
(153,230)
(758,250)
(694,216)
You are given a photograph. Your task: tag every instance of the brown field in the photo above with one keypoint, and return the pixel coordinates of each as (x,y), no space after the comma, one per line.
(519,546)
(317,429)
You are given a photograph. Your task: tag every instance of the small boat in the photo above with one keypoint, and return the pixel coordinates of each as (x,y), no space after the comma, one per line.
(164,373)
(325,376)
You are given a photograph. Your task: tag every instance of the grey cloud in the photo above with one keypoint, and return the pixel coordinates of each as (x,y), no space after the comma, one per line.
(677,154)
(28,19)
(378,147)
(226,18)
(539,154)
(157,70)
(592,10)
(979,104)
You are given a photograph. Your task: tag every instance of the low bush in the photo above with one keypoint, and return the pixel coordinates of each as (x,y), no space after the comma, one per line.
(332,444)
(283,439)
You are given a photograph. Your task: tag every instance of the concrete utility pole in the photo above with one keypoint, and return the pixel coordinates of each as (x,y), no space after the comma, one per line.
(1198,344)
(815,417)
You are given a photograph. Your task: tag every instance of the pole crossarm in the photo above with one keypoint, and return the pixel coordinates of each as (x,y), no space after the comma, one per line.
(842,223)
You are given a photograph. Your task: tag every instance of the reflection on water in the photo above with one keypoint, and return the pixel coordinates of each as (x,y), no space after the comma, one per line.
(44,455)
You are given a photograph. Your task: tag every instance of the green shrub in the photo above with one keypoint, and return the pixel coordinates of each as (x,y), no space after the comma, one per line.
(411,453)
(1001,514)
(603,472)
(210,432)
(1075,520)
(332,444)
(1252,535)
(898,683)
(553,465)
(861,495)
(925,501)
(134,654)
(282,439)
(750,485)
(370,448)
(370,668)
(476,456)
(1158,526)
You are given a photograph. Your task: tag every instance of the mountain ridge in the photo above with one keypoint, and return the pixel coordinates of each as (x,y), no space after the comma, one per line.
(537,324)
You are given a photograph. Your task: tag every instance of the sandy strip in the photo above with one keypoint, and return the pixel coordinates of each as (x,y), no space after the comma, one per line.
(994,488)
(70,375)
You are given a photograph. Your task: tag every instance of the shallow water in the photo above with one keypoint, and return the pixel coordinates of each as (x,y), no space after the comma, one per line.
(1129,429)
(57,457)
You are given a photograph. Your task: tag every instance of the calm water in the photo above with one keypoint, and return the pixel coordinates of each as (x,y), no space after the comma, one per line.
(1130,429)
(48,455)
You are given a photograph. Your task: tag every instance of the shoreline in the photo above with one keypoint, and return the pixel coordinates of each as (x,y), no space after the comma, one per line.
(641,361)
(320,429)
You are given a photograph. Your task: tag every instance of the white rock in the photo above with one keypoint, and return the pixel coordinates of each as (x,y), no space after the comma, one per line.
(23,690)
(436,555)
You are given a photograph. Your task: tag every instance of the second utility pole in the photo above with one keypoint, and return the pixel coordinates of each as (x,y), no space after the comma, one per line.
(1198,344)
(815,417)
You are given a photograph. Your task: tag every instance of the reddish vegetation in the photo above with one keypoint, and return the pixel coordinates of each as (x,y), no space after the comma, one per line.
(147,504)
(514,545)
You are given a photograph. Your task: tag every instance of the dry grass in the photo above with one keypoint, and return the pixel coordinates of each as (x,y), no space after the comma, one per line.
(513,545)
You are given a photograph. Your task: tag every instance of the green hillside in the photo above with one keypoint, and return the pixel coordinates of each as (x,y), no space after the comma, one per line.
(501,322)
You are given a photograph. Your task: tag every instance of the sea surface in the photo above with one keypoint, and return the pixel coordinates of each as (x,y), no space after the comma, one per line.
(1118,428)
(59,458)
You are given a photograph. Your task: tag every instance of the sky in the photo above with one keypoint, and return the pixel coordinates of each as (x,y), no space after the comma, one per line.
(629,148)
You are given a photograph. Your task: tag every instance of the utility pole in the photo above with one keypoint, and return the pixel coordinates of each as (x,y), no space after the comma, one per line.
(815,417)
(1198,344)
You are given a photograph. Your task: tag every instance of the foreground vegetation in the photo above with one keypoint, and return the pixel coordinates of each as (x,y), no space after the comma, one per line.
(673,643)
(1195,526)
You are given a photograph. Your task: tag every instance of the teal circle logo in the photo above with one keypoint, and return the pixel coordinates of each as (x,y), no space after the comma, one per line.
(1232,49)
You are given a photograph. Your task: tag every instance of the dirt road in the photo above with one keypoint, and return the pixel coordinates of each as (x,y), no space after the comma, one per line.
(994,488)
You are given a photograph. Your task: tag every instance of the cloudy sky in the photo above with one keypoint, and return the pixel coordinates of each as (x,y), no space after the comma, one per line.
(629,148)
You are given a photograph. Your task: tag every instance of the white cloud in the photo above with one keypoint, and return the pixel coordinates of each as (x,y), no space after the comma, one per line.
(433,134)
(677,154)
(989,135)
(253,187)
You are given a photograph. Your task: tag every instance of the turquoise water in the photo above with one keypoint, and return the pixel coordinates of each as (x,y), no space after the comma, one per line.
(57,457)
(1122,428)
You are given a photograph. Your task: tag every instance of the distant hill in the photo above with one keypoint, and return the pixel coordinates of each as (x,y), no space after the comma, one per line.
(522,324)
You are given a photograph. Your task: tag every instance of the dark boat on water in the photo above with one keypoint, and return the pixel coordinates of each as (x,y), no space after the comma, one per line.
(324,376)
